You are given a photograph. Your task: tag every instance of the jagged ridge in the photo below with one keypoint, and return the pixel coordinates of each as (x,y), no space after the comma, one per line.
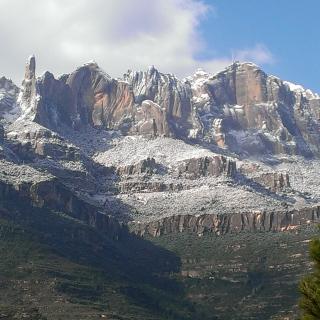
(240,109)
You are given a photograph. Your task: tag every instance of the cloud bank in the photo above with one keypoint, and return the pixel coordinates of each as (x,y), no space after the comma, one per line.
(118,34)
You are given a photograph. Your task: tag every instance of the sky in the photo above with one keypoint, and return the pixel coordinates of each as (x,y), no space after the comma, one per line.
(177,36)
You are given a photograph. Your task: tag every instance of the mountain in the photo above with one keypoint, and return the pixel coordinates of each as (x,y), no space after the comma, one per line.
(225,162)
(241,109)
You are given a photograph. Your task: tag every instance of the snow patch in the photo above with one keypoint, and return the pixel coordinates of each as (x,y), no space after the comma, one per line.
(301,90)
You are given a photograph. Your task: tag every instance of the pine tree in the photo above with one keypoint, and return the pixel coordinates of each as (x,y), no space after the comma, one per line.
(310,286)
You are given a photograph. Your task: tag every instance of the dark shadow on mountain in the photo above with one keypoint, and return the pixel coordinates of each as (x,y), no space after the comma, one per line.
(288,120)
(141,268)
(90,139)
(97,185)
(242,180)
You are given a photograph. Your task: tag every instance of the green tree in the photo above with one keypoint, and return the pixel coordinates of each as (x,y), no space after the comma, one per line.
(310,286)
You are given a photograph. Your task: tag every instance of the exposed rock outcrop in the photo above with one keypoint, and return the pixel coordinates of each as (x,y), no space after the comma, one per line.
(146,166)
(206,166)
(222,224)
(42,143)
(152,120)
(275,181)
(29,97)
(100,100)
(149,186)
(241,108)
(172,105)
(1,133)
(148,103)
(9,110)
(85,97)
(47,192)
(247,111)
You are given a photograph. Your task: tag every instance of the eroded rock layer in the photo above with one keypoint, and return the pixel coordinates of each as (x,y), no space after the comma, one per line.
(221,224)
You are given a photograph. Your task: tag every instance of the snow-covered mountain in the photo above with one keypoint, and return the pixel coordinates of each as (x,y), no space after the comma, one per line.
(150,146)
(240,110)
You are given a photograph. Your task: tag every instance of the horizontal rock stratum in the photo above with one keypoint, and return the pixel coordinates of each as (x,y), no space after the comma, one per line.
(274,221)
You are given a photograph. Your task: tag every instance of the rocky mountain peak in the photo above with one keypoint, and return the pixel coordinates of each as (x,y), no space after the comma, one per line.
(28,94)
(240,109)
(152,69)
(30,70)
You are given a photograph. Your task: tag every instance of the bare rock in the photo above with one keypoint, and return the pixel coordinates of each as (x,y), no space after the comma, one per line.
(275,181)
(9,92)
(206,166)
(223,224)
(152,120)
(28,95)
(1,133)
(129,186)
(45,191)
(241,109)
(172,96)
(146,166)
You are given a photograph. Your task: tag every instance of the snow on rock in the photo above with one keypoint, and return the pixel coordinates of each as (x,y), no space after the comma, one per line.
(133,149)
(301,90)
(198,79)
(9,107)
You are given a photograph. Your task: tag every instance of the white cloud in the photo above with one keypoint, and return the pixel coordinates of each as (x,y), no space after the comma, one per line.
(118,34)
(259,54)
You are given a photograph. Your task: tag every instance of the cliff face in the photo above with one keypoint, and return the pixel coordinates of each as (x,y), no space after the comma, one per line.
(247,111)
(146,166)
(207,166)
(46,191)
(275,221)
(8,100)
(146,103)
(85,97)
(99,100)
(275,181)
(241,109)
(169,95)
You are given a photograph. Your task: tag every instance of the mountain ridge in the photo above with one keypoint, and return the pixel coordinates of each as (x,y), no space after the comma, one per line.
(240,109)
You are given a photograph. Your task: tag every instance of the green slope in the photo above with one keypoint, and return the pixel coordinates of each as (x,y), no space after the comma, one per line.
(243,276)
(55,267)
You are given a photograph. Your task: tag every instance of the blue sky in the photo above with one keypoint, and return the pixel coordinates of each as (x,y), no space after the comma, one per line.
(290,30)
(177,36)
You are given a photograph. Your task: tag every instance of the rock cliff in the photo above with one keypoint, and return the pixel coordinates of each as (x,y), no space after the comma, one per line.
(247,111)
(221,224)
(8,100)
(276,181)
(241,109)
(45,191)
(207,166)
